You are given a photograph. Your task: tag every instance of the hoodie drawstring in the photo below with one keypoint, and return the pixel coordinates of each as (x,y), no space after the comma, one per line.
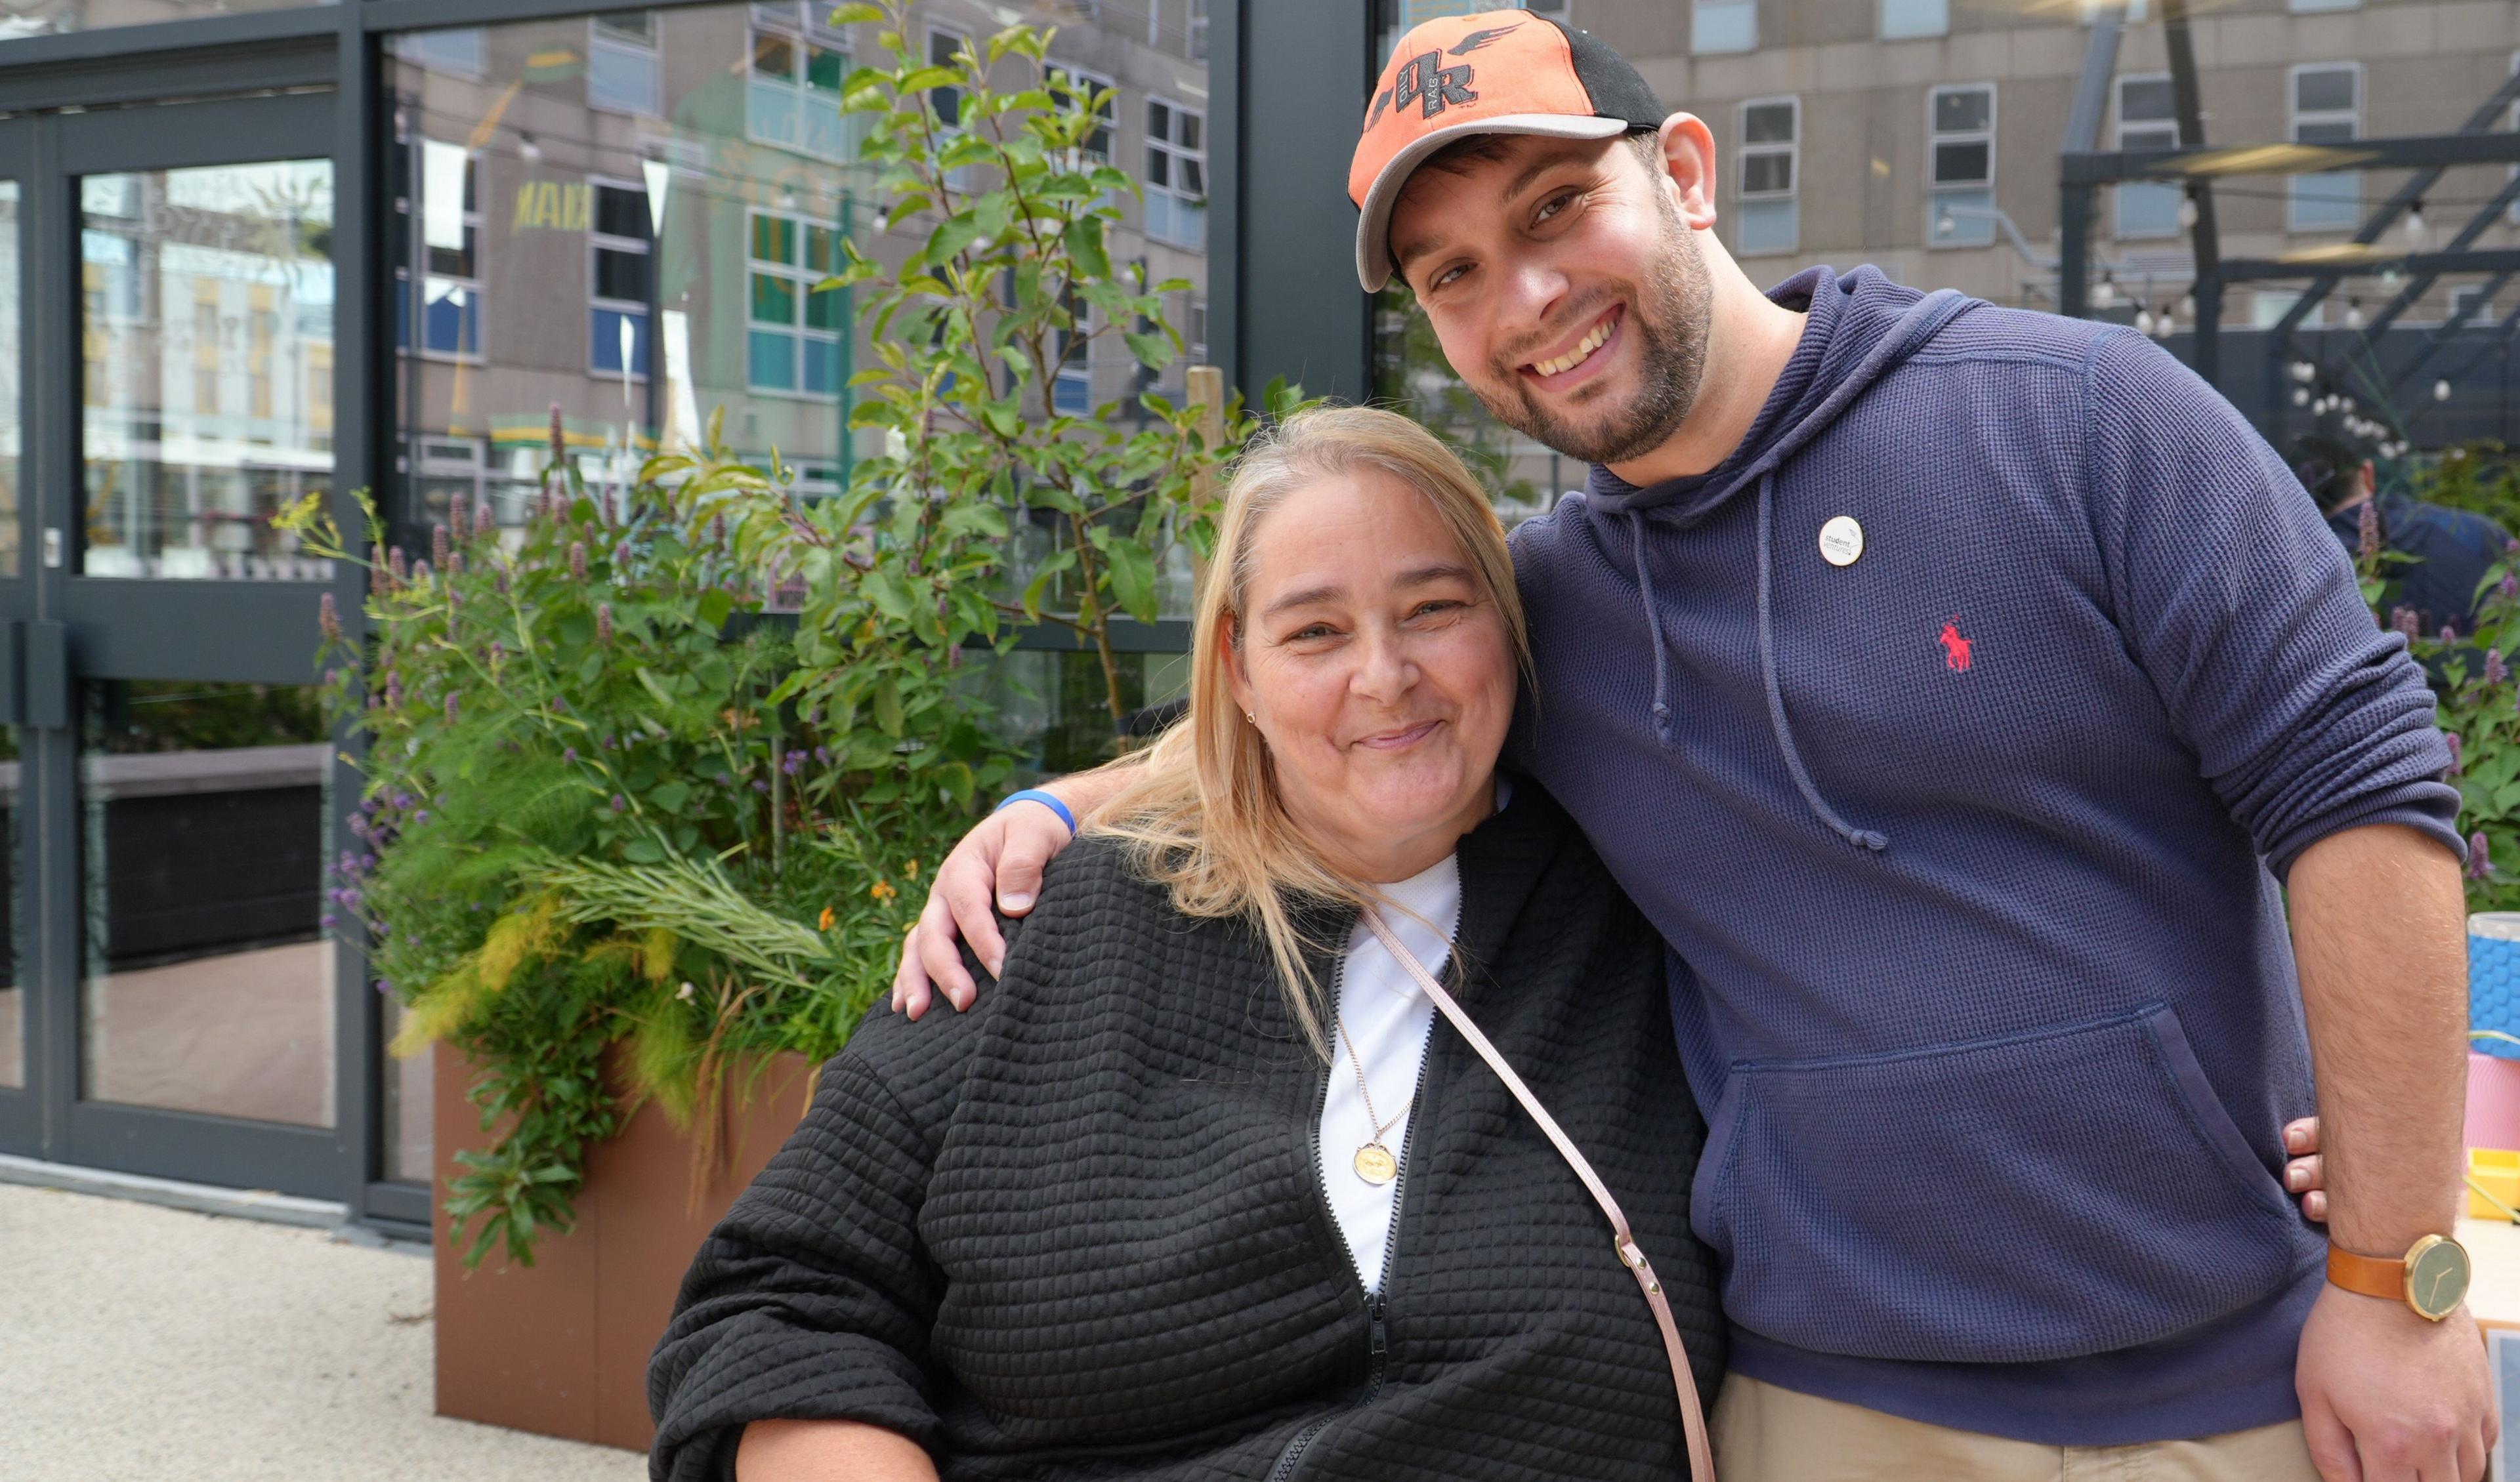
(1653,628)
(1862,838)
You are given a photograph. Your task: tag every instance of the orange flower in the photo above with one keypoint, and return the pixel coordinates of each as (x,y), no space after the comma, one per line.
(911,870)
(827,919)
(882,891)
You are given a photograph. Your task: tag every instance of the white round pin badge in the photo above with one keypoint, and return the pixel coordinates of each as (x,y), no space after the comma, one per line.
(1841,541)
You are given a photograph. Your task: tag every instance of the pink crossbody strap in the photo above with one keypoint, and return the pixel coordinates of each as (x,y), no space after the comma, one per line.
(1692,1418)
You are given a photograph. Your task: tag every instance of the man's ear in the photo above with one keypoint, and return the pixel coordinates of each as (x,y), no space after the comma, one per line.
(1688,165)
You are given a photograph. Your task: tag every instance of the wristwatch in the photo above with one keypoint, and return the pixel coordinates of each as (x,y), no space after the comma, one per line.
(2431,1276)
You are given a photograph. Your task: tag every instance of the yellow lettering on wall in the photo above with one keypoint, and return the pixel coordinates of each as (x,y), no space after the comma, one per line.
(554,206)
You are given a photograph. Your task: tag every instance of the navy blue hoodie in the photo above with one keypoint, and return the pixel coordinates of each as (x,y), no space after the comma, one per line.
(1968,853)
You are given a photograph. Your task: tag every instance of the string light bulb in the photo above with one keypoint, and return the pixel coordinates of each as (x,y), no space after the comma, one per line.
(2441,390)
(2144,321)
(2186,212)
(2354,313)
(2301,396)
(2415,232)
(2304,372)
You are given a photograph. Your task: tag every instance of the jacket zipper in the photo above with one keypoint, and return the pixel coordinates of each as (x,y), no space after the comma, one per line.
(1377,1306)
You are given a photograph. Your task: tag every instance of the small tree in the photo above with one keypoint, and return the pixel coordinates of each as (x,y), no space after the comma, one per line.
(1013,283)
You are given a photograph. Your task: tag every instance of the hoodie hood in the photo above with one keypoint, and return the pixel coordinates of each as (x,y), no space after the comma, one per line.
(1863,326)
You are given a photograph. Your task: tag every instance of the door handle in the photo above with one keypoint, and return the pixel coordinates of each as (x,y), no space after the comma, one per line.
(42,693)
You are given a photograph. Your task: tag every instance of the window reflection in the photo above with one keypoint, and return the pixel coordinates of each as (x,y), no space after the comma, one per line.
(206,319)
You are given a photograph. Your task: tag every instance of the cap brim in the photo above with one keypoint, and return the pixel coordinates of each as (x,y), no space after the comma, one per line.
(1374,219)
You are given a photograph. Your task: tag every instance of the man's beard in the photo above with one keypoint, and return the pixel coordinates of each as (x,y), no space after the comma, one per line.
(1669,313)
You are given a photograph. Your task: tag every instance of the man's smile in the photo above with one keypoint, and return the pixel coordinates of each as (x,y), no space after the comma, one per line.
(1581,357)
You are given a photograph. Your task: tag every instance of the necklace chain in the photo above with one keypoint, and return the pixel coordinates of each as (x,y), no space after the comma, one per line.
(1358,1061)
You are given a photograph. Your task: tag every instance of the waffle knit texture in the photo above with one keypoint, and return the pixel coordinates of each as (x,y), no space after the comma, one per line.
(1968,853)
(1079,1232)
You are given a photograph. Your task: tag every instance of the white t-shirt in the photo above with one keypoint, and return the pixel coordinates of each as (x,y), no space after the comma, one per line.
(1387,1017)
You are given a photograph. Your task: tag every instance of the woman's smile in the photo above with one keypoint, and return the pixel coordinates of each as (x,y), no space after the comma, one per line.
(1400,739)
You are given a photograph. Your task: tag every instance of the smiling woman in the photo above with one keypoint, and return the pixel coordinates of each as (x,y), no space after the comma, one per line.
(1139,1215)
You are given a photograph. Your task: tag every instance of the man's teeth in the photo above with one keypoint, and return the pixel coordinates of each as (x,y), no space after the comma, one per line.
(1575,357)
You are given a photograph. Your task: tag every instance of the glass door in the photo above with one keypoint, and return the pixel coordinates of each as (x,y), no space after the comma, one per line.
(180,775)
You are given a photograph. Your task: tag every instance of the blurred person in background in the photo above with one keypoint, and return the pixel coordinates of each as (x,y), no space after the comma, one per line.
(2447,552)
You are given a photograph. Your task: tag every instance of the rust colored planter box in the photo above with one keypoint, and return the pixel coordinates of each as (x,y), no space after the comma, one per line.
(561,1347)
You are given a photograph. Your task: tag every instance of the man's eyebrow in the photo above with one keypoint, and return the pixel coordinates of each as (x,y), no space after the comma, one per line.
(1548,160)
(1415,576)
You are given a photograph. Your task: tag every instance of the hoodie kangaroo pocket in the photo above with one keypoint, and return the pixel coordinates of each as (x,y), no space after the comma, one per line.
(2066,1192)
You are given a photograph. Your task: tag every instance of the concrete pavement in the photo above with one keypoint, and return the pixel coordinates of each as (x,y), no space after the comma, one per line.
(139,1343)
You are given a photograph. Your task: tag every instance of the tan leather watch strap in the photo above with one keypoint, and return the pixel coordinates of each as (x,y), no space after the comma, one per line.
(2381,1276)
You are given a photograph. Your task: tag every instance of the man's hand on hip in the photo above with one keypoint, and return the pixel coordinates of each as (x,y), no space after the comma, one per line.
(2388,1397)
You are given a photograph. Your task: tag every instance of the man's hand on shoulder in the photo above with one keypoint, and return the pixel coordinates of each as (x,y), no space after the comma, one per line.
(2388,1397)
(1003,855)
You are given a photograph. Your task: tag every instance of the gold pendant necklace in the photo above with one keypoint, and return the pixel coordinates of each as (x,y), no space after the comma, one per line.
(1374,1163)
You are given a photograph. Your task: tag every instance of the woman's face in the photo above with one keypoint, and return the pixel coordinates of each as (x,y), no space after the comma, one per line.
(1379,672)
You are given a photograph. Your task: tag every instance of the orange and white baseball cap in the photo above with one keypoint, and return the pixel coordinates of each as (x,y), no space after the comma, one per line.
(1493,72)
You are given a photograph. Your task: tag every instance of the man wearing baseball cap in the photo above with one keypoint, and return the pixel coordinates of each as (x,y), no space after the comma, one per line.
(1960,690)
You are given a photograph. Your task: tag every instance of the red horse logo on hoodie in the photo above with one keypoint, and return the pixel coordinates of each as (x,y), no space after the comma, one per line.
(1955,648)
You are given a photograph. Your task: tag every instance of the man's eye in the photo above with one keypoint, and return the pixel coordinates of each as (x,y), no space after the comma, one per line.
(1446,276)
(1554,204)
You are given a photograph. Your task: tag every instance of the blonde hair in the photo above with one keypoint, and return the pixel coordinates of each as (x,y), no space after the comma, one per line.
(1201,812)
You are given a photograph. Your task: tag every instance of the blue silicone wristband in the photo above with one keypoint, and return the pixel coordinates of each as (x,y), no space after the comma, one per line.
(1048,800)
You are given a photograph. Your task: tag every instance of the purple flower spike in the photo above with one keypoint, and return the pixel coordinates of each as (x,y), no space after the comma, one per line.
(2449,634)
(559,436)
(577,560)
(2458,749)
(2495,671)
(383,986)
(568,753)
(420,818)
(759,785)
(2367,532)
(452,706)
(328,618)
(2510,587)
(398,566)
(822,754)
(621,804)
(327,921)
(440,546)
(604,622)
(2480,863)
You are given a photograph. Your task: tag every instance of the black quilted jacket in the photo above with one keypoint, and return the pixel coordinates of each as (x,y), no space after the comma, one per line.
(1080,1232)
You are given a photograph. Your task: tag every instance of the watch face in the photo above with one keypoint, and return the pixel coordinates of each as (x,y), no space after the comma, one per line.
(2437,1278)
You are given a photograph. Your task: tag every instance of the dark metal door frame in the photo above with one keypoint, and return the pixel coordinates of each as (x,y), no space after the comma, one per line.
(74,627)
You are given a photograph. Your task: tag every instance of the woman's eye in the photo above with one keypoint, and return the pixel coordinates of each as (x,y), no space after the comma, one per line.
(1309,632)
(1437,608)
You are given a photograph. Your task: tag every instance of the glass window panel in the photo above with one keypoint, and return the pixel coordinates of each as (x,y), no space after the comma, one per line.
(607,335)
(2331,132)
(1914,18)
(13,1002)
(774,239)
(621,211)
(1767,173)
(1767,123)
(2145,100)
(1159,167)
(1961,109)
(822,254)
(2326,202)
(621,79)
(205,987)
(1194,178)
(1159,120)
(1963,164)
(208,398)
(2325,90)
(821,365)
(825,68)
(620,275)
(47,17)
(774,298)
(1187,124)
(12,432)
(1961,218)
(2147,209)
(823,309)
(410,1138)
(773,361)
(637,27)
(1766,226)
(1724,25)
(773,55)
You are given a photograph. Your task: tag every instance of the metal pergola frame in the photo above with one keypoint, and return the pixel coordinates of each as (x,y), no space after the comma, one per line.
(1282,298)
(2195,166)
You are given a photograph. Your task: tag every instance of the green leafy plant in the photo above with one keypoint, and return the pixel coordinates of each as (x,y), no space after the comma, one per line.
(630,821)
(990,505)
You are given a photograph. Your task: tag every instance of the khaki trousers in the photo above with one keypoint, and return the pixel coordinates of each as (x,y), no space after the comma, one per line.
(1766,1434)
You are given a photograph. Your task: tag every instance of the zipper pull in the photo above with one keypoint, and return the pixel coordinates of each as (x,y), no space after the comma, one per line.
(1378,1341)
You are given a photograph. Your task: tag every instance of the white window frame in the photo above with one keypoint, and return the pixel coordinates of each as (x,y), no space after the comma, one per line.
(1704,44)
(1933,17)
(1074,375)
(2141,134)
(2295,118)
(597,239)
(798,27)
(1744,152)
(2464,293)
(1938,190)
(1074,82)
(937,56)
(2129,11)
(1176,154)
(600,42)
(1197,48)
(430,50)
(416,261)
(802,277)
(2313,7)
